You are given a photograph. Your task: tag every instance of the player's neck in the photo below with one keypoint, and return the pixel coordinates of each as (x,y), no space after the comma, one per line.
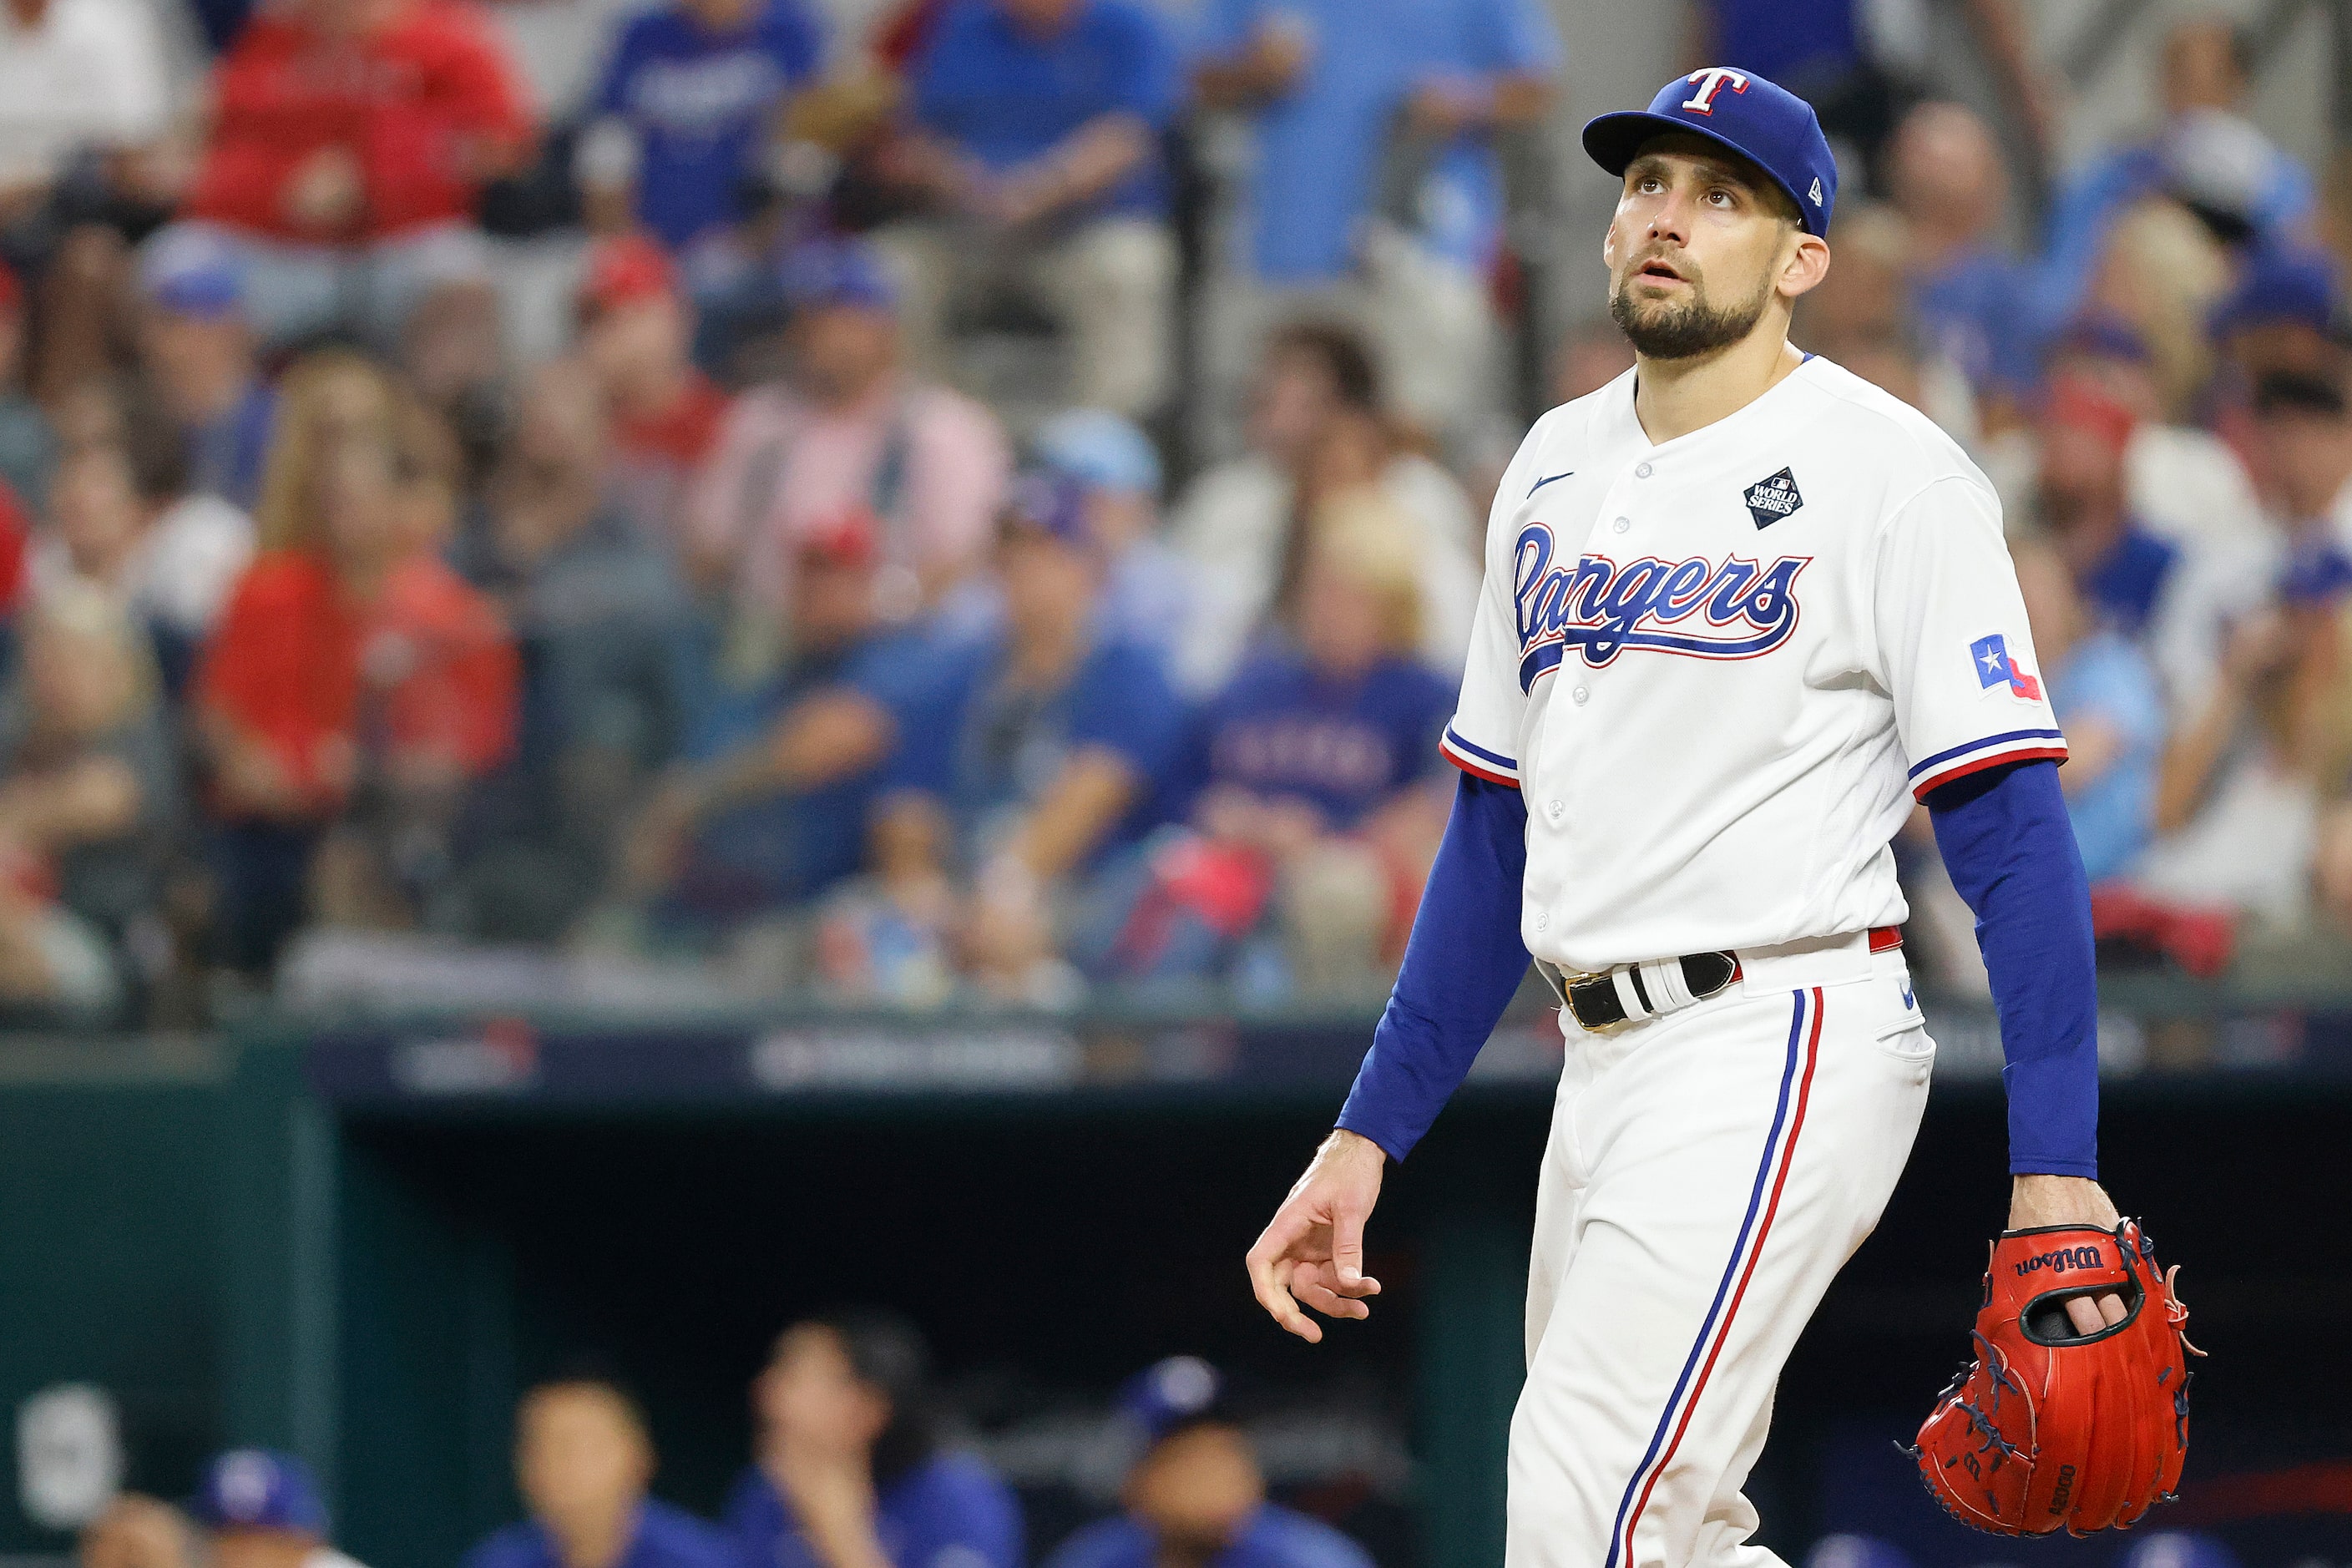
(1673,397)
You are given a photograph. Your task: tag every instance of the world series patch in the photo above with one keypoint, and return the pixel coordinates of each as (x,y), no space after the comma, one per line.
(1770,501)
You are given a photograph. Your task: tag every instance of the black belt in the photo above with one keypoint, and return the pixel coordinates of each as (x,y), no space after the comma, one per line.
(1594,1002)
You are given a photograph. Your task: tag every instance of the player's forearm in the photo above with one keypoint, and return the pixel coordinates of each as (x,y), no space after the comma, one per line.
(1461,968)
(2006,841)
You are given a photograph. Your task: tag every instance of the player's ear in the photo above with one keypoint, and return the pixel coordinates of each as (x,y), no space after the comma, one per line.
(1803,265)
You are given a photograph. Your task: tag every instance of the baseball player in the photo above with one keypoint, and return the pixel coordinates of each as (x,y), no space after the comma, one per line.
(1741,610)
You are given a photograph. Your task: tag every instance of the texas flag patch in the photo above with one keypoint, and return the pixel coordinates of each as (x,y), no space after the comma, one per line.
(1996,668)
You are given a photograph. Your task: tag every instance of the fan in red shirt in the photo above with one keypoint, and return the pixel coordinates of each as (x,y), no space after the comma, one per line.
(355,683)
(636,336)
(357,132)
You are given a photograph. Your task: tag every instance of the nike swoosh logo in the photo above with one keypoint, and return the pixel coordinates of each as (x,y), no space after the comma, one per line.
(1540,483)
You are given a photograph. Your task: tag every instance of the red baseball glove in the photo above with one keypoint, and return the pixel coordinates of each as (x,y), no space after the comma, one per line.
(2048,1426)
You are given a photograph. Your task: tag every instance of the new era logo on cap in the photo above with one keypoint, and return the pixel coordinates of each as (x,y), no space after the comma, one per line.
(1771,500)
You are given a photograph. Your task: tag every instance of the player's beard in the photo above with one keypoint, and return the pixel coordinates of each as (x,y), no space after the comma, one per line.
(1686,329)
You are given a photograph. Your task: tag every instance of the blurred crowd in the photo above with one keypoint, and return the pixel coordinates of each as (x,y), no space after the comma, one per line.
(854,1466)
(990,508)
(857,1463)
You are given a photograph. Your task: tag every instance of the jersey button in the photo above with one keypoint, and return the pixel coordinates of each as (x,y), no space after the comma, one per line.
(1543,919)
(1641,471)
(1621,525)
(1579,694)
(1554,809)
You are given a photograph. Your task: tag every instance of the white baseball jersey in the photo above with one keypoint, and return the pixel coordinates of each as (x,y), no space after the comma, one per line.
(1720,668)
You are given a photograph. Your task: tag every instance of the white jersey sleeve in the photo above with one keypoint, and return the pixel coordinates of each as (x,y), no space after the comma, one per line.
(1953,648)
(1484,738)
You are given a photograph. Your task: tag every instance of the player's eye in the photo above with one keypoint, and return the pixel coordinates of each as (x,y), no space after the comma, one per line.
(1649,185)
(1723,197)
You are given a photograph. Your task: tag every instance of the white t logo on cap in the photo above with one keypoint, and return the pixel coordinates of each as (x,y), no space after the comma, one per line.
(1710,82)
(1816,191)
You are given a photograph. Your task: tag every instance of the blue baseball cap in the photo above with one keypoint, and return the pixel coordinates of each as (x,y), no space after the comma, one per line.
(1168,1394)
(1100,450)
(258,1488)
(1051,504)
(836,272)
(192,273)
(1770,126)
(2280,286)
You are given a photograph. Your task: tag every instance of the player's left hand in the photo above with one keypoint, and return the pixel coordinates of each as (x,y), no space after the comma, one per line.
(2036,1201)
(1312,1251)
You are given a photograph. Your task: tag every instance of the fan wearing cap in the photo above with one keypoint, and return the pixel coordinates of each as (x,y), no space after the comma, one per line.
(1059,726)
(2124,569)
(583,1459)
(1742,612)
(197,347)
(847,425)
(262,1510)
(1150,590)
(773,802)
(2189,488)
(2282,314)
(1196,1497)
(636,333)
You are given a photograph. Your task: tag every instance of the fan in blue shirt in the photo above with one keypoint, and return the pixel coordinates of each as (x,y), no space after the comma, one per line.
(1060,727)
(849,1468)
(582,1459)
(1341,741)
(1330,83)
(1010,84)
(1320,753)
(772,803)
(683,113)
(1195,1494)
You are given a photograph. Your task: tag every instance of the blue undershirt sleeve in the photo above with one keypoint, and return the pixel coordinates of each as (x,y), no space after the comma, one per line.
(1462,967)
(2005,839)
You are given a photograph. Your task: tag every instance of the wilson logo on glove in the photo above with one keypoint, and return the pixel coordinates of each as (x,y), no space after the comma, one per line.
(2070,1258)
(2046,1425)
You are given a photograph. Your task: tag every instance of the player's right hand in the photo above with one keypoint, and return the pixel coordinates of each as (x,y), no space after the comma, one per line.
(1313,1249)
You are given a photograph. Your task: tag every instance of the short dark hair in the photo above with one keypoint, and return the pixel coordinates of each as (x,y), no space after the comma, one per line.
(1343,354)
(887,1354)
(611,1388)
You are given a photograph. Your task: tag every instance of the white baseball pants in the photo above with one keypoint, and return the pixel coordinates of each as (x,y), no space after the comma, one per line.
(1708,1173)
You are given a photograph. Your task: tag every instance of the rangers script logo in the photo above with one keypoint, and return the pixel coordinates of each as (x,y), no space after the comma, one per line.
(1601,608)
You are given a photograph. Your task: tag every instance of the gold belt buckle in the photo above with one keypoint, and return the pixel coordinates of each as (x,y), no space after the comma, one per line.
(1563,981)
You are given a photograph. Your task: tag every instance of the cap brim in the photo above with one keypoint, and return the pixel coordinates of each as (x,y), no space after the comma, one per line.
(1612,140)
